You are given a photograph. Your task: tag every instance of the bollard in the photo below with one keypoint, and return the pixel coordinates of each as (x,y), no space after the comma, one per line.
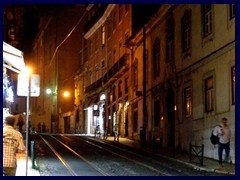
(33,154)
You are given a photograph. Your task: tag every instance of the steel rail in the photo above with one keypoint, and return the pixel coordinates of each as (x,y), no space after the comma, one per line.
(81,157)
(59,157)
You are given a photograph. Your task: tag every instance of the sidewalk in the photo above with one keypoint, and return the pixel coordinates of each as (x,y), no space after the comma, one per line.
(21,166)
(210,165)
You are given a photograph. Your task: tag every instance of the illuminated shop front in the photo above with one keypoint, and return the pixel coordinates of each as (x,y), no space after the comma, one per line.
(95,115)
(13,63)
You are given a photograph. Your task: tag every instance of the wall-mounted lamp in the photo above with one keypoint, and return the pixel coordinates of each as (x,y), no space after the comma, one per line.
(175,107)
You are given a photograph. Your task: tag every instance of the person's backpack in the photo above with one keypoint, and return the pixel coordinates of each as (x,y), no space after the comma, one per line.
(213,138)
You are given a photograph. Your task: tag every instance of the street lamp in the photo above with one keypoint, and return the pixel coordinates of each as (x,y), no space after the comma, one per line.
(66,94)
(27,73)
(49,91)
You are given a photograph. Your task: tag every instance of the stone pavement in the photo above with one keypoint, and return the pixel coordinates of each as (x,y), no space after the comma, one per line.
(210,165)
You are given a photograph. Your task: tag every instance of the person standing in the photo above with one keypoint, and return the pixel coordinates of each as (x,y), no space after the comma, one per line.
(12,143)
(20,123)
(224,134)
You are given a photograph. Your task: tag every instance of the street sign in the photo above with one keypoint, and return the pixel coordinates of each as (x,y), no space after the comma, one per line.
(22,85)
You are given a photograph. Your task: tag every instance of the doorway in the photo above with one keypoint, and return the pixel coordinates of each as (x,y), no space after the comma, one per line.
(67,124)
(170,116)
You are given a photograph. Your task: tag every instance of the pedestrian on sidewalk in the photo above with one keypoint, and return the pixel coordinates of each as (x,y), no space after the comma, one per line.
(12,143)
(224,134)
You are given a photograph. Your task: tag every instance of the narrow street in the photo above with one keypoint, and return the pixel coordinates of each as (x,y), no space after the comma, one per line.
(69,155)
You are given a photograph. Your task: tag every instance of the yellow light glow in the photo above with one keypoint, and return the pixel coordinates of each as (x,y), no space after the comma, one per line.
(66,94)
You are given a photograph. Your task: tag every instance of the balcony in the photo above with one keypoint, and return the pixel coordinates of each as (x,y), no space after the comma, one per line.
(115,72)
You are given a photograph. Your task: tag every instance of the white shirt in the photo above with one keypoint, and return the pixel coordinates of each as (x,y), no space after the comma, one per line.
(223,132)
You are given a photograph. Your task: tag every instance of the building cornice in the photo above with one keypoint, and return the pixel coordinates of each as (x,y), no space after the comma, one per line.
(100,21)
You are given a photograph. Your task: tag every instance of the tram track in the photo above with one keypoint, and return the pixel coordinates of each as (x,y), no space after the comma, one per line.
(64,161)
(106,170)
(82,153)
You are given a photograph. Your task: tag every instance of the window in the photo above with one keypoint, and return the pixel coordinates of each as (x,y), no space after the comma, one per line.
(103,64)
(121,50)
(232,11)
(233,77)
(186,31)
(120,89)
(109,98)
(207,19)
(135,75)
(209,94)
(114,20)
(157,111)
(126,85)
(97,71)
(169,48)
(85,49)
(91,75)
(109,27)
(103,36)
(114,93)
(156,58)
(188,102)
(114,55)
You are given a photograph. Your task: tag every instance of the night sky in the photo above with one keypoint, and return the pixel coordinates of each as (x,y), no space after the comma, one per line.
(31,21)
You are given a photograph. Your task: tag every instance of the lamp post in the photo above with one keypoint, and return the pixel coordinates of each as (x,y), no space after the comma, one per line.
(27,114)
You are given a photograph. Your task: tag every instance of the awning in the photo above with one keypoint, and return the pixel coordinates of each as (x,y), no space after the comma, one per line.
(13,58)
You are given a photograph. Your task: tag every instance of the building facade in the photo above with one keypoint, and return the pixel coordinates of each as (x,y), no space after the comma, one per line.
(56,60)
(170,73)
(190,72)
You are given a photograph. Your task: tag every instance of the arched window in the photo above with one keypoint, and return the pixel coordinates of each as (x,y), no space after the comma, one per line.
(186,32)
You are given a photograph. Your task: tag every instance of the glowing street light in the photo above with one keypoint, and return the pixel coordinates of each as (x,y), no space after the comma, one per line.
(49,91)
(66,94)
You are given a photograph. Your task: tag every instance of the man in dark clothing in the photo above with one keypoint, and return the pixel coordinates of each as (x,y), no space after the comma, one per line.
(20,123)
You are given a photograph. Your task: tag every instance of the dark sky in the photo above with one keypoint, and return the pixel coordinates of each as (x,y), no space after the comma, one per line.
(31,21)
(30,29)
